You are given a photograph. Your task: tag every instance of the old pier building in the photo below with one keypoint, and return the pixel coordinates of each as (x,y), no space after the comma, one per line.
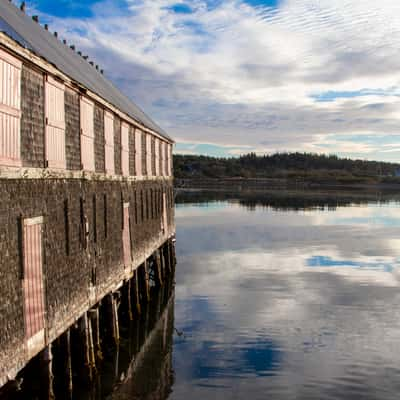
(86,210)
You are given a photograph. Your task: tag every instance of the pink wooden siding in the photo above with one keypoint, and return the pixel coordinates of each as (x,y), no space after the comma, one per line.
(87,134)
(55,124)
(148,155)
(126,237)
(157,149)
(10,110)
(138,152)
(109,142)
(125,148)
(33,277)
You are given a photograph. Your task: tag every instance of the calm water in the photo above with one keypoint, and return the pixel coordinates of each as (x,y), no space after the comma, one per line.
(277,296)
(287,297)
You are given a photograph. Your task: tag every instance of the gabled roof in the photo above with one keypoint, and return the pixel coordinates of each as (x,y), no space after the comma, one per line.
(28,33)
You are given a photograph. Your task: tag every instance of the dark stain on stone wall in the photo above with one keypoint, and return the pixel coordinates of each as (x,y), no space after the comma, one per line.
(32,120)
(72,129)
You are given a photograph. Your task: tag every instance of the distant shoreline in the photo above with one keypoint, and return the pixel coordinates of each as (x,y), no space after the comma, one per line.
(277,183)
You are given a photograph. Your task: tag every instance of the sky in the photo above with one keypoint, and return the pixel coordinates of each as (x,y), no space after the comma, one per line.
(227,77)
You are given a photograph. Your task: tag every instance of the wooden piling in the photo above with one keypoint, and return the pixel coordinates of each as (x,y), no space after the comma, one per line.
(114,303)
(164,267)
(158,268)
(65,349)
(87,347)
(129,299)
(94,318)
(146,281)
(46,365)
(135,290)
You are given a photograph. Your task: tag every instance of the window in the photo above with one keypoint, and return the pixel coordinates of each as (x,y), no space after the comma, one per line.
(125,149)
(109,142)
(55,124)
(87,134)
(10,110)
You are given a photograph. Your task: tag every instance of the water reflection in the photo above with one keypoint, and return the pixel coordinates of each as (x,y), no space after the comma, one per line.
(287,297)
(141,366)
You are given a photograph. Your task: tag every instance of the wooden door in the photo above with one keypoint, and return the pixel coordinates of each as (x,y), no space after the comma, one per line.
(33,284)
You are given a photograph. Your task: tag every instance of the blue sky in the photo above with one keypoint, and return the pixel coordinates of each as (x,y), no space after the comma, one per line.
(225,77)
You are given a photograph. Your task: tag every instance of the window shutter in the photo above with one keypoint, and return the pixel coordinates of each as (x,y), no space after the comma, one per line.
(157,156)
(87,134)
(10,110)
(125,148)
(138,152)
(55,124)
(148,155)
(109,142)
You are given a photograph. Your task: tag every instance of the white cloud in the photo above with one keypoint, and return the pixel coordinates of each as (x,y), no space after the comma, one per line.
(239,75)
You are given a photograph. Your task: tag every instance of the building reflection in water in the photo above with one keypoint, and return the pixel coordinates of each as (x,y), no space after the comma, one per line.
(141,366)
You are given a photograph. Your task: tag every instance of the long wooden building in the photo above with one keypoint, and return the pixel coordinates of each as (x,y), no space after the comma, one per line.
(86,195)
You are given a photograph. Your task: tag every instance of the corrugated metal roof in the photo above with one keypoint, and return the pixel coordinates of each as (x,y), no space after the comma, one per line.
(32,36)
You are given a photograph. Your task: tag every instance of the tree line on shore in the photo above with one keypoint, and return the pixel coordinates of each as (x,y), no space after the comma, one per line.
(306,166)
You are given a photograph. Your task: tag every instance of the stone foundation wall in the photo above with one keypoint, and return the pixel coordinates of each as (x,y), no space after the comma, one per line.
(77,272)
